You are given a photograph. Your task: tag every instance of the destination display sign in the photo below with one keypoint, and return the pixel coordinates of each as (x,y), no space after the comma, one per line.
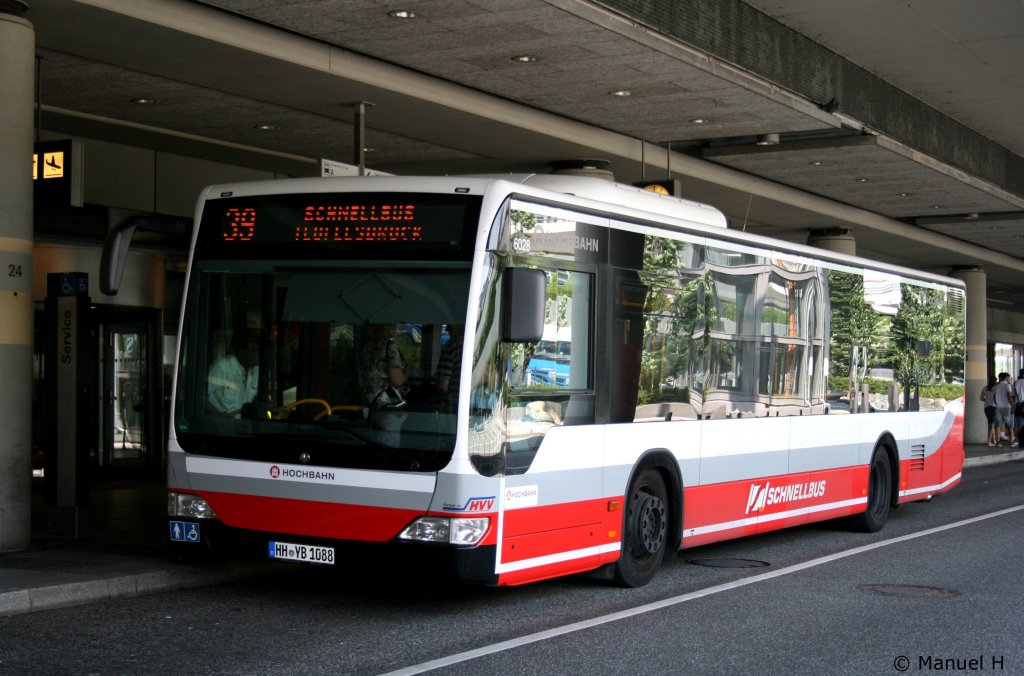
(311,225)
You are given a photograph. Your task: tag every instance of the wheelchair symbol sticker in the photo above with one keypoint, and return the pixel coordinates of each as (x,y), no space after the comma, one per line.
(184,531)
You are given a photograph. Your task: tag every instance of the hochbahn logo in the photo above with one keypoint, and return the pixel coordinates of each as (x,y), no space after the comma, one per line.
(291,473)
(764,495)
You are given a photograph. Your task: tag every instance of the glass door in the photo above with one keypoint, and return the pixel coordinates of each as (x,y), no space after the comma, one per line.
(130,401)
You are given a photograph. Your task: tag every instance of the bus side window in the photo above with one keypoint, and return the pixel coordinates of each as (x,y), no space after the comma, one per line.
(561,359)
(552,378)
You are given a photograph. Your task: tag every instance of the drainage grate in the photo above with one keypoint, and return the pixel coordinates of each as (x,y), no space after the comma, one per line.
(907,590)
(729,563)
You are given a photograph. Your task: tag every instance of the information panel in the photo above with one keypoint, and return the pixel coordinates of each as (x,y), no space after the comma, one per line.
(315,225)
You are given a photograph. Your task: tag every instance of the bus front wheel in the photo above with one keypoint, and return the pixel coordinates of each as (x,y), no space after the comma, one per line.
(644,530)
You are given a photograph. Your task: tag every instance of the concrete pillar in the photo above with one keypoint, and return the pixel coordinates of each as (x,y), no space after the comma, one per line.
(17,75)
(976,371)
(839,240)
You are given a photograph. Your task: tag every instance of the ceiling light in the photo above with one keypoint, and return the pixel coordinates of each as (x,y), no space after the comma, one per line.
(621,92)
(402,14)
(863,180)
(143,101)
(904,194)
(265,127)
(525,58)
(936,206)
(816,163)
(768,140)
(699,120)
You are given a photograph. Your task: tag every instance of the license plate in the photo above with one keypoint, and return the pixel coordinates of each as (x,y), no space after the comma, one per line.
(289,551)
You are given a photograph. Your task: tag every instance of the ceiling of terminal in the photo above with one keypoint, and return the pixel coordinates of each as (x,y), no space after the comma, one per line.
(471,86)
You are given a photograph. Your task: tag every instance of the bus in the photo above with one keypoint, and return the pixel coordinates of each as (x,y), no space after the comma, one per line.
(713,384)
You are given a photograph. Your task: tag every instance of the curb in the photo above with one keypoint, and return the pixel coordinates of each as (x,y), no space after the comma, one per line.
(69,594)
(993,459)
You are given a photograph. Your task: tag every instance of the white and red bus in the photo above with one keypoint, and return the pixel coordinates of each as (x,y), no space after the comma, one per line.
(713,384)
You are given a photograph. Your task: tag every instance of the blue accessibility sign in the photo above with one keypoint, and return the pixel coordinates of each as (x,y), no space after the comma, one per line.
(184,531)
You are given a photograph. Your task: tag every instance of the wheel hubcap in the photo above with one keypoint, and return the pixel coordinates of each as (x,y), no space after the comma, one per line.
(651,524)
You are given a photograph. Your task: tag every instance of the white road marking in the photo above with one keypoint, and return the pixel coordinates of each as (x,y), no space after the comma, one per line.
(676,600)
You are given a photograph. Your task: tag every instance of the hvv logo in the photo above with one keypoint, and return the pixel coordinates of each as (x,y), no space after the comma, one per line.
(472,505)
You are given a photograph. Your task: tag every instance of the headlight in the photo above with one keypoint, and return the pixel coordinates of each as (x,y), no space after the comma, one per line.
(188,505)
(442,529)
(468,531)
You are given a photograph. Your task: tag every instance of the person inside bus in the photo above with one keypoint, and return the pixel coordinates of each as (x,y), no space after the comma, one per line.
(234,378)
(449,365)
(485,396)
(382,368)
(382,377)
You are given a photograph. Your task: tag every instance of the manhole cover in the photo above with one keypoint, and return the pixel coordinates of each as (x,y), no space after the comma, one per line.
(911,590)
(729,563)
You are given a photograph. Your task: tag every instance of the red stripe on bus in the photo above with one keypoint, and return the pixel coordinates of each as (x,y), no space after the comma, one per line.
(306,517)
(738,501)
(530,520)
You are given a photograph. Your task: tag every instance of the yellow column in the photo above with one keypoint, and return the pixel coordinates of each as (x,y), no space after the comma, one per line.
(976,371)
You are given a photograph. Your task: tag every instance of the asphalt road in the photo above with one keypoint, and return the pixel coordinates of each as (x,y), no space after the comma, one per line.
(938,590)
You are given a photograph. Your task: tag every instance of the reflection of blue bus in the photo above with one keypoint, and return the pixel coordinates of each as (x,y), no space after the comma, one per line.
(550,363)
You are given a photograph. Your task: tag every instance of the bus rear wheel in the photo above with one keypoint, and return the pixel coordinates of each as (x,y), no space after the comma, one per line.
(879,505)
(644,530)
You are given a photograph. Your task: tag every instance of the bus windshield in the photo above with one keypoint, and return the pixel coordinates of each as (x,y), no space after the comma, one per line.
(351,364)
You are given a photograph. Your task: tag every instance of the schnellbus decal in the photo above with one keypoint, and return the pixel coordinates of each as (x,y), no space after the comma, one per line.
(765,495)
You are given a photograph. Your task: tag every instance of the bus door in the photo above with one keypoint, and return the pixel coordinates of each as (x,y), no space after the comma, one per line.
(554,454)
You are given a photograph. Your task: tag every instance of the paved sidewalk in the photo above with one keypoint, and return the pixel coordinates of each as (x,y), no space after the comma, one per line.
(124,555)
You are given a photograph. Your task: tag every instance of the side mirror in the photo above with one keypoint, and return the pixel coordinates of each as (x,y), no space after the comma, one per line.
(118,243)
(524,291)
(115,255)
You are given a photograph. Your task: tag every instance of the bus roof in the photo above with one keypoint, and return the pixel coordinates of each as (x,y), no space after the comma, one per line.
(594,193)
